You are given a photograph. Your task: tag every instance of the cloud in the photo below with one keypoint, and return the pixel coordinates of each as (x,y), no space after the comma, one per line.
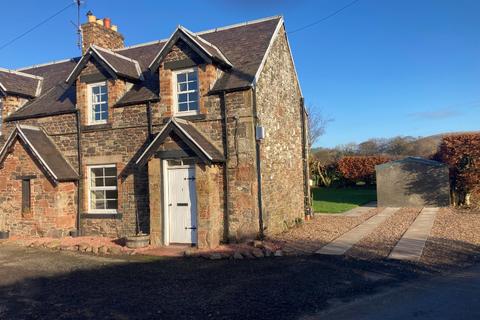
(436,114)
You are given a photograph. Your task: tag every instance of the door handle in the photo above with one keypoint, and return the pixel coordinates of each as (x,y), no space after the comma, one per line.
(182,204)
(190,228)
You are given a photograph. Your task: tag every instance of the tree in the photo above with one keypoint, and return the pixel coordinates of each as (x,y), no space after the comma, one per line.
(317,123)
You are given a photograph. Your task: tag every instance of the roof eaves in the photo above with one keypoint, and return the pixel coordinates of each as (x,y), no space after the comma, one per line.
(95,49)
(194,38)
(140,159)
(38,115)
(135,62)
(179,33)
(7,144)
(23,74)
(84,60)
(120,104)
(37,154)
(68,163)
(191,139)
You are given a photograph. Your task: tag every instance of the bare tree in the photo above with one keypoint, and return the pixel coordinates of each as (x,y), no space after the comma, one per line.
(317,123)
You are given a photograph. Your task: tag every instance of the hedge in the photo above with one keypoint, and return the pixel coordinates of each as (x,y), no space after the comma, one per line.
(360,168)
(462,154)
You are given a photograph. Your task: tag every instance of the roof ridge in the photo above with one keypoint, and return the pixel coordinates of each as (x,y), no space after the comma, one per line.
(19,73)
(45,64)
(114,53)
(241,24)
(236,25)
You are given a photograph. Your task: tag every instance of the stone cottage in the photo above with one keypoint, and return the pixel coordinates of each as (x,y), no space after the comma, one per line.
(197,139)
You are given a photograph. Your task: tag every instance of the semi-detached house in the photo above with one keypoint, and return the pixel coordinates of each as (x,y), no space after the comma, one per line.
(199,138)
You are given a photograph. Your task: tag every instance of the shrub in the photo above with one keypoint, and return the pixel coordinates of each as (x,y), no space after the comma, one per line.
(360,168)
(462,154)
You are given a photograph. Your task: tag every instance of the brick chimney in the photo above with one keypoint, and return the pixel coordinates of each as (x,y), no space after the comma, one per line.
(100,32)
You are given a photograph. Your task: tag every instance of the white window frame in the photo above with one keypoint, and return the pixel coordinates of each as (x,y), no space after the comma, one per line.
(176,92)
(90,189)
(90,87)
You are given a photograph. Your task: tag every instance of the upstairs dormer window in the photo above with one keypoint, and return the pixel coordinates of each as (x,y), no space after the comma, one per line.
(98,103)
(186,91)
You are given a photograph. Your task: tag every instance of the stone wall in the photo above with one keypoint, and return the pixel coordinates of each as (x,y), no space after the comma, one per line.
(62,129)
(116,142)
(53,207)
(280,113)
(10,104)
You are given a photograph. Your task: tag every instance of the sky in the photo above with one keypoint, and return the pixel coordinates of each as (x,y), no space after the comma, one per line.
(380,68)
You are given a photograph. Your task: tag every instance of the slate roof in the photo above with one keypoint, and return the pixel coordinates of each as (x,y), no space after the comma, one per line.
(44,150)
(119,65)
(244,46)
(20,83)
(190,135)
(203,47)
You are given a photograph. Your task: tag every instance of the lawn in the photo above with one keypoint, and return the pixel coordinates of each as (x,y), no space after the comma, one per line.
(333,200)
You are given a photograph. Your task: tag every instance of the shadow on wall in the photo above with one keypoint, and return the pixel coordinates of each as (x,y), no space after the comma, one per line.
(140,190)
(194,288)
(430,183)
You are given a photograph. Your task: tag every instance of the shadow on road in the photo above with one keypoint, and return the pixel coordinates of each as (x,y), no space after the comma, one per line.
(195,288)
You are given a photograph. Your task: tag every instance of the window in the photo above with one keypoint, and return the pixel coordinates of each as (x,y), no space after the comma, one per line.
(26,196)
(186,91)
(103,193)
(98,102)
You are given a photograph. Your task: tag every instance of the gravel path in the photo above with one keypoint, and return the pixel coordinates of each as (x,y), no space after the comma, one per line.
(314,234)
(381,241)
(454,240)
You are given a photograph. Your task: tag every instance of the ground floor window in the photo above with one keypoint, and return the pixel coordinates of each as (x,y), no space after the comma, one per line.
(103,193)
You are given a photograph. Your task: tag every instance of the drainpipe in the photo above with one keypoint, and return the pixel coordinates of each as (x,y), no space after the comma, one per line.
(149,120)
(80,171)
(259,168)
(226,179)
(305,157)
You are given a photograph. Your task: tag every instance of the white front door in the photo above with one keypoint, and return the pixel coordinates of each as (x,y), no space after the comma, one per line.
(182,205)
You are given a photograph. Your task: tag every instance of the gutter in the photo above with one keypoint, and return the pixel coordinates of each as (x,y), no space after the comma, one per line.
(258,165)
(80,172)
(149,121)
(226,180)
(39,115)
(306,185)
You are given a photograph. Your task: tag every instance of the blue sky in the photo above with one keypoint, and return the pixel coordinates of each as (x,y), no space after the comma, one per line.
(380,68)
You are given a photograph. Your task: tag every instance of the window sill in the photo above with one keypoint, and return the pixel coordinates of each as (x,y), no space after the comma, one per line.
(95,127)
(189,117)
(117,216)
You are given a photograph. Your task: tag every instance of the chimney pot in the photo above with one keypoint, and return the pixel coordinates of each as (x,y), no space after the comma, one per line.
(114,28)
(100,22)
(92,19)
(107,23)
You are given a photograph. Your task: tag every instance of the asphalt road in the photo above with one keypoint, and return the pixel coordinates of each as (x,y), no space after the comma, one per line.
(454,296)
(44,284)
